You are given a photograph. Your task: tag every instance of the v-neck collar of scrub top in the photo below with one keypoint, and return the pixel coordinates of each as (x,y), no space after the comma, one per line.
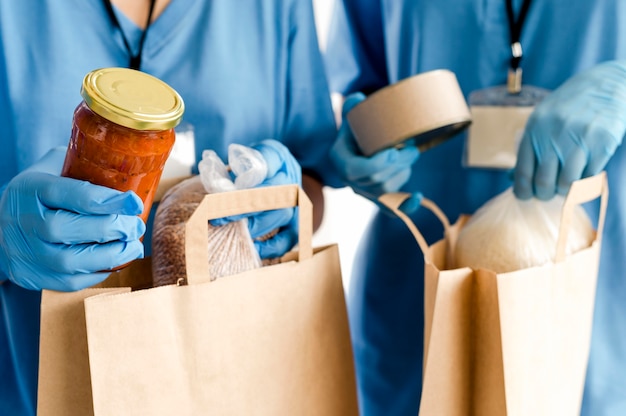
(160,29)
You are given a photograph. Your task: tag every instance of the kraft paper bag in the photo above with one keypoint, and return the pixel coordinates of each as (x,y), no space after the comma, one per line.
(270,341)
(512,343)
(64,380)
(64,385)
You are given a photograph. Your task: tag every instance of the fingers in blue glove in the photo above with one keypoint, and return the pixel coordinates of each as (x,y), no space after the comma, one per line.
(409,206)
(376,168)
(573,132)
(83,197)
(74,267)
(283,169)
(280,162)
(64,227)
(63,282)
(350,102)
(260,223)
(90,258)
(265,223)
(385,171)
(73,282)
(543,171)
(277,245)
(524,170)
(268,221)
(537,169)
(546,172)
(46,221)
(412,203)
(72,212)
(67,268)
(571,170)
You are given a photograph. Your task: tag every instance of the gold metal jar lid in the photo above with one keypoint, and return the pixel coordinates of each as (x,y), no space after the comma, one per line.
(132,99)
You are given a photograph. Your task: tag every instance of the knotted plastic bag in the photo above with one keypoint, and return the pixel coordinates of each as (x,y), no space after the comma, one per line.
(508,234)
(230,246)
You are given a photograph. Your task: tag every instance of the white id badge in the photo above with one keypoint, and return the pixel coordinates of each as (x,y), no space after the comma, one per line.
(182,158)
(498,121)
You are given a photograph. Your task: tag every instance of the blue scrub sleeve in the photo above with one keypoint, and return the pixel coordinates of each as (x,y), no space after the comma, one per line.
(3,277)
(355,56)
(310,130)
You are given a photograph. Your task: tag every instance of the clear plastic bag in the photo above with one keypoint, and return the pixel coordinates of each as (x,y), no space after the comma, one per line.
(231,249)
(507,234)
(247,165)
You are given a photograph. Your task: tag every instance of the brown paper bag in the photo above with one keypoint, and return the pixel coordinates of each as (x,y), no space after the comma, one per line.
(512,343)
(270,341)
(64,380)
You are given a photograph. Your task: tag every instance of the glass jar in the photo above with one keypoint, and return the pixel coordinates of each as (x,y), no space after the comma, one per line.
(123,131)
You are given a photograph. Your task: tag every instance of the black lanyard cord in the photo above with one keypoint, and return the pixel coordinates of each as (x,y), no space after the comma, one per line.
(515,30)
(135,60)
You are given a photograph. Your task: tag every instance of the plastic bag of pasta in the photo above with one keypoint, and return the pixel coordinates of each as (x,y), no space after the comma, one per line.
(508,234)
(231,248)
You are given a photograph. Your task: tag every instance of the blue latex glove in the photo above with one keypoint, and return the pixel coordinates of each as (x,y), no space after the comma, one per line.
(385,171)
(57,233)
(282,169)
(573,132)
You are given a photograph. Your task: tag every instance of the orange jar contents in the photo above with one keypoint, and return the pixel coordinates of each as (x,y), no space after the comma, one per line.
(123,131)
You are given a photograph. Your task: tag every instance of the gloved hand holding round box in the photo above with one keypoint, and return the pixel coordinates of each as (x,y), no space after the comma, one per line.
(427,108)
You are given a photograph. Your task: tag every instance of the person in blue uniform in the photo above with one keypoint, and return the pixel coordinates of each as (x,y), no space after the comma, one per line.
(577,50)
(247,71)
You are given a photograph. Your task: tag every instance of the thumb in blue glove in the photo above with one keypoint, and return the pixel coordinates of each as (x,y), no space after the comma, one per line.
(275,232)
(573,132)
(59,233)
(385,171)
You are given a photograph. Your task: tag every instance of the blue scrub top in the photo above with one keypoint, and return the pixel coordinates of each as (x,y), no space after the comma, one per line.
(247,70)
(373,43)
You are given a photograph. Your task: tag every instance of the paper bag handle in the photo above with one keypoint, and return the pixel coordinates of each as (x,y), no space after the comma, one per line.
(244,201)
(581,191)
(395,199)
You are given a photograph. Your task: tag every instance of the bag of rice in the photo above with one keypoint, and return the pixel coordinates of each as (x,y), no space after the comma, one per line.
(508,234)
(231,248)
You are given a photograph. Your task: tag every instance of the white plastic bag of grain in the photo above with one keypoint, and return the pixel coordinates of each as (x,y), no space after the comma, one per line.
(508,234)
